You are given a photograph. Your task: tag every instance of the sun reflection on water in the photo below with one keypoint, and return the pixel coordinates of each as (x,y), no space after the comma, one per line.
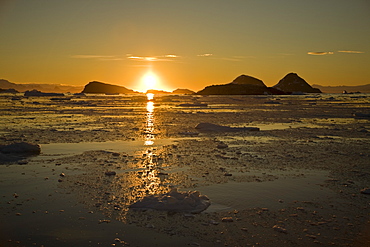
(150,96)
(149,128)
(142,178)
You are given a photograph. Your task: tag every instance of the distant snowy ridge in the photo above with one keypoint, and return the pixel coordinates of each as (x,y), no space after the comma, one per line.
(340,89)
(48,88)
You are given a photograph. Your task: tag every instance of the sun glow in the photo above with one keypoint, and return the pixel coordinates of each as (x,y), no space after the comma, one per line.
(150,81)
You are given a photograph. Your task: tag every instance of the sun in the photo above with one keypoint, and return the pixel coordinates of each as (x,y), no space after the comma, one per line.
(150,81)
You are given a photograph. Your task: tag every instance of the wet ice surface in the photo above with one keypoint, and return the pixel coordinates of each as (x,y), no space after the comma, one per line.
(302,171)
(68,149)
(273,194)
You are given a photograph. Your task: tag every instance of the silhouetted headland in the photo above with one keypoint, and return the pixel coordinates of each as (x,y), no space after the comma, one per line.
(248,85)
(292,83)
(242,85)
(100,87)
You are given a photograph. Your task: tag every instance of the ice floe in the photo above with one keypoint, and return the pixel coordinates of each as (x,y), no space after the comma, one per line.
(174,201)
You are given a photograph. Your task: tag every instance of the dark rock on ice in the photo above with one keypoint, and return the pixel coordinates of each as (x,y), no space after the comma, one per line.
(174,201)
(20,148)
(361,115)
(110,173)
(222,145)
(365,191)
(209,127)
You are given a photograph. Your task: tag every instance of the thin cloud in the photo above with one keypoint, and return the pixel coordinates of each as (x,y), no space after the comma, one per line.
(171,55)
(353,52)
(167,58)
(147,59)
(320,53)
(205,55)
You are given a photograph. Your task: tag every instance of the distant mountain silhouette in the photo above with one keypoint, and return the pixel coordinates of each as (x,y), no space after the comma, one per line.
(182,91)
(242,85)
(100,87)
(55,88)
(35,92)
(340,89)
(293,83)
(9,90)
(248,80)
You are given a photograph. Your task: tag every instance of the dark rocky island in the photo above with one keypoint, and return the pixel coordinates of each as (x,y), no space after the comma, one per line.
(242,85)
(248,85)
(183,91)
(10,90)
(37,93)
(100,87)
(248,80)
(292,83)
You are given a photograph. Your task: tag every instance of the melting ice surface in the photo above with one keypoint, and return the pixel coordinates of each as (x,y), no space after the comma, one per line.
(269,194)
(65,149)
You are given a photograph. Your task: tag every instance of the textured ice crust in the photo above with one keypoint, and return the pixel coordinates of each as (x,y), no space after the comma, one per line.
(174,201)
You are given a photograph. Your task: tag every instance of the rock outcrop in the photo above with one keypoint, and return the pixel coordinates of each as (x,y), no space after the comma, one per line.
(10,90)
(293,83)
(39,93)
(238,89)
(182,91)
(104,88)
(242,85)
(248,80)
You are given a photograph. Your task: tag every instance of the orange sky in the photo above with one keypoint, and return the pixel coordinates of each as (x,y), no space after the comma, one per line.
(184,44)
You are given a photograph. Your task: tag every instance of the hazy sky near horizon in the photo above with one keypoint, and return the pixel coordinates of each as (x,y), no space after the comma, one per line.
(185,44)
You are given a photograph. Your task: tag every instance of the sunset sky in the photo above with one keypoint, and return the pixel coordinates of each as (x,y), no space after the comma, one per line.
(184,44)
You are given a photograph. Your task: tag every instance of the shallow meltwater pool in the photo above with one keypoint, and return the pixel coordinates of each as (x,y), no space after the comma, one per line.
(269,194)
(66,149)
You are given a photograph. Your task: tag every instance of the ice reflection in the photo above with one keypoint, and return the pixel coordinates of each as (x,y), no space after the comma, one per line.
(149,127)
(149,176)
(142,180)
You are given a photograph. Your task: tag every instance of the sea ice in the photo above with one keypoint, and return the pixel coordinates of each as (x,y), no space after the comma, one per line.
(219,128)
(174,201)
